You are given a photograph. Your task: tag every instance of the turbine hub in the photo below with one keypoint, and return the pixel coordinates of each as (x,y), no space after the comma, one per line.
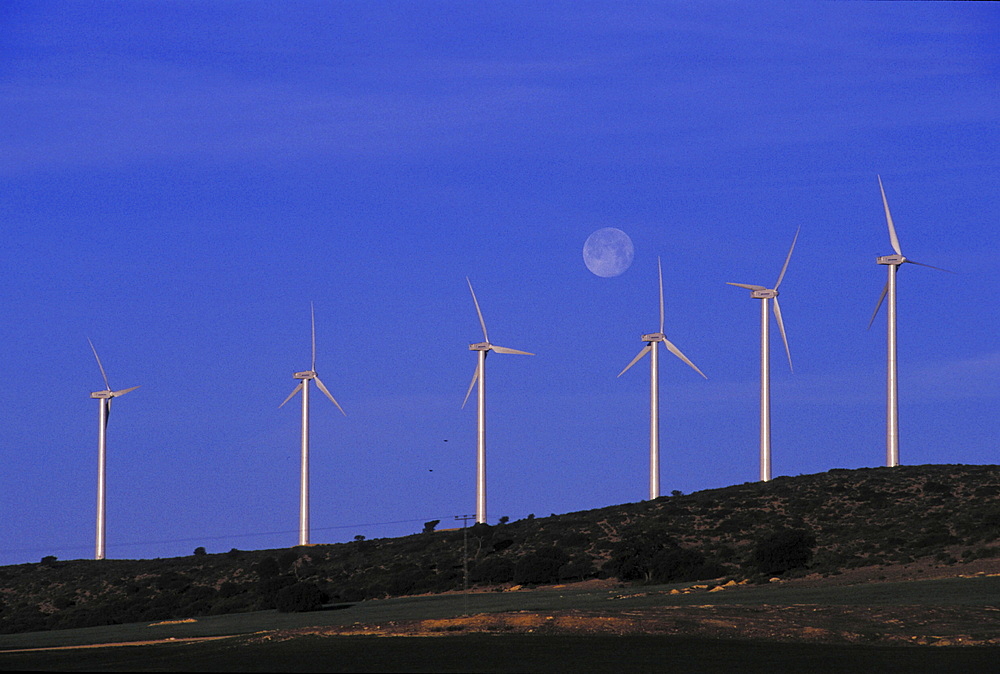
(765,294)
(481,346)
(890,259)
(654,337)
(308,374)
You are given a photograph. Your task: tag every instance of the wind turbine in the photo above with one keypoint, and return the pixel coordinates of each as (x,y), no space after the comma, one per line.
(303,386)
(892,263)
(105,397)
(654,390)
(480,374)
(765,294)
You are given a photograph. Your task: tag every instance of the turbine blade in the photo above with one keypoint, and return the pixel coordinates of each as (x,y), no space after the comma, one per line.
(107,412)
(659,269)
(635,360)
(291,395)
(931,266)
(475,376)
(480,313)
(323,388)
(312,313)
(124,391)
(746,285)
(677,352)
(878,306)
(504,349)
(888,219)
(106,384)
(781,329)
(787,259)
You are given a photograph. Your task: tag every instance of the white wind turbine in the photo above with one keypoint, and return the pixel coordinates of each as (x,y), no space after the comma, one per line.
(892,263)
(483,348)
(654,390)
(105,397)
(303,386)
(765,294)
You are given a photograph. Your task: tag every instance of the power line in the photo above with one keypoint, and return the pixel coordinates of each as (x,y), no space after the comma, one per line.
(197,539)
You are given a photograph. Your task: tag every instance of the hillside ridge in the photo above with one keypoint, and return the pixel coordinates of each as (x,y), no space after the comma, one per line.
(824,524)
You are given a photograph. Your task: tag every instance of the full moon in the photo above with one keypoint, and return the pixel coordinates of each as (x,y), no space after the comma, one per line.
(608,252)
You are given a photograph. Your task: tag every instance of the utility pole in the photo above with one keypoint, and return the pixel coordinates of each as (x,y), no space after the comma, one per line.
(465,557)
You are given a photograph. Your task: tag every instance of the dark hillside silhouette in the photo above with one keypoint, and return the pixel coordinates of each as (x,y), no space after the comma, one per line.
(824,523)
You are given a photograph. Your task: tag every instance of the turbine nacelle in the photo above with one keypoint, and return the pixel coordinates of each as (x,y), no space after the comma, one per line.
(107,395)
(308,374)
(481,346)
(757,292)
(654,337)
(891,259)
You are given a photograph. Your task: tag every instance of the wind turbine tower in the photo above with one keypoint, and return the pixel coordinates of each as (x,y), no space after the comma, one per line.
(303,385)
(654,390)
(892,263)
(105,397)
(767,294)
(483,348)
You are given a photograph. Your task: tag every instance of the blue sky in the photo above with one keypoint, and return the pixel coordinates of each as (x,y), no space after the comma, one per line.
(181,180)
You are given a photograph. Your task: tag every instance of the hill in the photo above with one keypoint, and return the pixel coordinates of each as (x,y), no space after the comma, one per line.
(825,524)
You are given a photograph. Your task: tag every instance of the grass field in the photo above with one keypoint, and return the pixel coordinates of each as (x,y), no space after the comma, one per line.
(514,652)
(509,653)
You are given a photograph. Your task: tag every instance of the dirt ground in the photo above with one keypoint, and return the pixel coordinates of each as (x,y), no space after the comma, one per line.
(918,625)
(890,625)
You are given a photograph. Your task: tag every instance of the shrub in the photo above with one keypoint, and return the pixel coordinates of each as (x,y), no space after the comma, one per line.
(577,569)
(267,568)
(287,559)
(783,551)
(492,570)
(541,566)
(268,589)
(502,544)
(300,597)
(654,557)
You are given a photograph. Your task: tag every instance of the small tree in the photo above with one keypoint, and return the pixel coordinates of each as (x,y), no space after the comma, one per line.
(199,551)
(783,551)
(429,526)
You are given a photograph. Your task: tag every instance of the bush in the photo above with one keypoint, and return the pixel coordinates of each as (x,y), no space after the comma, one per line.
(287,559)
(541,566)
(267,568)
(492,570)
(783,551)
(656,558)
(300,597)
(268,589)
(199,551)
(577,569)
